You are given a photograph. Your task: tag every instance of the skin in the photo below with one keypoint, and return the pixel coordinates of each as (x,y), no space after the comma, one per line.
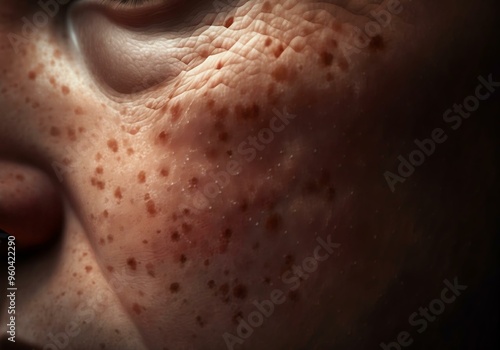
(173,215)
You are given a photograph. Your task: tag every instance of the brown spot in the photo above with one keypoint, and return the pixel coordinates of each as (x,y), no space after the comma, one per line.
(240,291)
(54,131)
(326,58)
(164,172)
(193,182)
(224,239)
(52,82)
(221,113)
(274,222)
(97,183)
(223,136)
(163,136)
(256,246)
(266,7)
(176,112)
(79,292)
(186,227)
(88,268)
(268,42)
(246,113)
(293,295)
(32,75)
(244,206)
(267,280)
(113,145)
(200,321)
(20,177)
(145,241)
(343,64)
(110,268)
(136,308)
(99,170)
(101,241)
(219,66)
(110,238)
(105,213)
(337,27)
(237,317)
(175,236)
(183,259)
(206,262)
(57,53)
(71,134)
(151,208)
(141,177)
(118,193)
(150,269)
(211,284)
(376,43)
(280,73)
(130,151)
(132,263)
(224,289)
(174,287)
(98,157)
(65,90)
(229,22)
(278,51)
(78,111)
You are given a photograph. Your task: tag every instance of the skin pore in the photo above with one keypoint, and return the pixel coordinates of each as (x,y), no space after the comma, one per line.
(187,163)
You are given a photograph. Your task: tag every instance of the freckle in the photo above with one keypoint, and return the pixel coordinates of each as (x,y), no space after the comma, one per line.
(221,113)
(136,308)
(193,182)
(97,183)
(79,292)
(280,73)
(20,177)
(376,43)
(52,82)
(249,112)
(150,269)
(326,58)
(226,272)
(343,64)
(71,134)
(219,66)
(186,227)
(31,75)
(186,211)
(273,222)
(151,208)
(130,151)
(102,345)
(141,177)
(268,42)
(224,289)
(54,131)
(176,112)
(110,268)
(65,90)
(256,246)
(57,53)
(132,263)
(200,321)
(102,241)
(88,268)
(98,157)
(118,193)
(81,129)
(105,213)
(267,280)
(113,145)
(99,170)
(175,236)
(110,238)
(210,103)
(117,331)
(229,22)
(206,262)
(174,287)
(211,284)
(74,274)
(78,111)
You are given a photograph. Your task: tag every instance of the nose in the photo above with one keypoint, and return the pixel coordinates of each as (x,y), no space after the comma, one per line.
(30,206)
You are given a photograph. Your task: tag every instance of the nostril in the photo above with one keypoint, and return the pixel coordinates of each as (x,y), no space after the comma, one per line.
(122,59)
(30,206)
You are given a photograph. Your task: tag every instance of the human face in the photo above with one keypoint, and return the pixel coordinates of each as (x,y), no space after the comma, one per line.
(243,174)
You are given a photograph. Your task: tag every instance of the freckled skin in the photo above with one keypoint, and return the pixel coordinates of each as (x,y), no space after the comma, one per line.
(180,245)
